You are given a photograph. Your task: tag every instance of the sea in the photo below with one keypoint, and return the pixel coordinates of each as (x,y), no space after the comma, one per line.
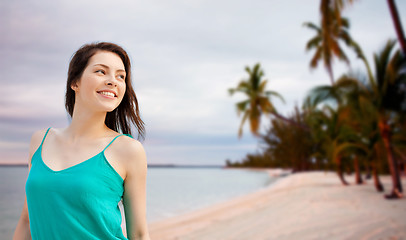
(170,190)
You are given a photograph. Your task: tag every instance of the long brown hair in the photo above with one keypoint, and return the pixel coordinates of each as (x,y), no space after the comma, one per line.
(127,111)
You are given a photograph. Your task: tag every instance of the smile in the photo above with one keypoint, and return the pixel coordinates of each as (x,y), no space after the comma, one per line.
(109,94)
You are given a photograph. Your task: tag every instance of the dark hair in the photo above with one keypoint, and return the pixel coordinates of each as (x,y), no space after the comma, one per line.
(127,111)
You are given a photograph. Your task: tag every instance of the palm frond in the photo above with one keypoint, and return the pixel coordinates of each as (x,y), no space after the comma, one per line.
(265,105)
(316,58)
(312,26)
(381,62)
(273,93)
(343,57)
(313,43)
(262,86)
(244,118)
(323,93)
(242,106)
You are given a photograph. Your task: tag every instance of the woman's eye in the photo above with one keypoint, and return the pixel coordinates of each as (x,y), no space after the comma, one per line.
(100,71)
(121,76)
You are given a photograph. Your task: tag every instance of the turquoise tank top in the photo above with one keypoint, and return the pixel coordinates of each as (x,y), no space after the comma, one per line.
(79,202)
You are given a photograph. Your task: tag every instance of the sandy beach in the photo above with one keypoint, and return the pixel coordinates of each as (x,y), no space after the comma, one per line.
(310,205)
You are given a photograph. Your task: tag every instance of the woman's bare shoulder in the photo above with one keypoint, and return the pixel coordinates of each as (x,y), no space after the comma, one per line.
(131,151)
(36,139)
(130,145)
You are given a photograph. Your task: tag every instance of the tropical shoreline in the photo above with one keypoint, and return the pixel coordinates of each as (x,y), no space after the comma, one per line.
(311,205)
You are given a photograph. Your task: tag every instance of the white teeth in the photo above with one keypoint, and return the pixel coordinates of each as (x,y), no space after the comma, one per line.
(107,94)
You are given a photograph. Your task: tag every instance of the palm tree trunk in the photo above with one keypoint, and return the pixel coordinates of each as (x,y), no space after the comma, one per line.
(377,182)
(398,24)
(358,178)
(340,171)
(330,73)
(393,166)
(326,25)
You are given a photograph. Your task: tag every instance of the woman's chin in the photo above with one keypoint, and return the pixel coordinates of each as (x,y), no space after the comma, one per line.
(110,110)
(107,108)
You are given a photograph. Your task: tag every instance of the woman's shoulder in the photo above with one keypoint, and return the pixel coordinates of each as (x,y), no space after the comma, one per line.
(35,142)
(130,149)
(128,144)
(37,136)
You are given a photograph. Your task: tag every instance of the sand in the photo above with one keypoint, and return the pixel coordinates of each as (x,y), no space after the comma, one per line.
(300,206)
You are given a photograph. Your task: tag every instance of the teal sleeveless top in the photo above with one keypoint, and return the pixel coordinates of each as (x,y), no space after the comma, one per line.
(79,202)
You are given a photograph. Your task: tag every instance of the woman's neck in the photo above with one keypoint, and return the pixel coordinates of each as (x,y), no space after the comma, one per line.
(87,124)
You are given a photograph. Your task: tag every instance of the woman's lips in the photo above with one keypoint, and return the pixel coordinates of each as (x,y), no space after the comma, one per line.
(108,94)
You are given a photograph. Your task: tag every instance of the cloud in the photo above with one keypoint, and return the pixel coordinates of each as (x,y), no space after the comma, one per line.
(185,55)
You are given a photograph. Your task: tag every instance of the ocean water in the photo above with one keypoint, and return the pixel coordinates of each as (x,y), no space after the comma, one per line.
(170,191)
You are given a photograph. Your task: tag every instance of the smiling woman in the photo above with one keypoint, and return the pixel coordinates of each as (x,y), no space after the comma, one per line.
(118,117)
(106,82)
(79,174)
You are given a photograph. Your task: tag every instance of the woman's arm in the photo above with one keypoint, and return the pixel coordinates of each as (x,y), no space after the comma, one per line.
(134,199)
(22,231)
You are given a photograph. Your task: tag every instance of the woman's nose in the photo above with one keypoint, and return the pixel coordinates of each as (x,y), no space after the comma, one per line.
(111,81)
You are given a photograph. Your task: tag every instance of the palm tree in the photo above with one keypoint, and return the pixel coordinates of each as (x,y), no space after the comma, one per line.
(327,7)
(388,98)
(326,43)
(339,126)
(330,126)
(330,11)
(332,28)
(258,99)
(364,117)
(381,98)
(398,24)
(335,133)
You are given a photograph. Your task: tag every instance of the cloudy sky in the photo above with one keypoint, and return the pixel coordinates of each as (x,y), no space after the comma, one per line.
(185,55)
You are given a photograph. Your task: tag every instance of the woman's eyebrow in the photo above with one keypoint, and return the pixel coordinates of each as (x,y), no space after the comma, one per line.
(105,66)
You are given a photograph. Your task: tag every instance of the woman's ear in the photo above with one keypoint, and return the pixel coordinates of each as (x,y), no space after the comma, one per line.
(74,86)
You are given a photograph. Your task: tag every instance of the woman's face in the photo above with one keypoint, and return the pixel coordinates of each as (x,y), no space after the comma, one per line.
(102,85)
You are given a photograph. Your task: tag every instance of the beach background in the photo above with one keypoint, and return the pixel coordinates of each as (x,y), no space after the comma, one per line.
(170,191)
(261,204)
(311,205)
(327,143)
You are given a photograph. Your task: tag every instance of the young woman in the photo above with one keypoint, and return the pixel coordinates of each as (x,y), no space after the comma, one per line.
(78,175)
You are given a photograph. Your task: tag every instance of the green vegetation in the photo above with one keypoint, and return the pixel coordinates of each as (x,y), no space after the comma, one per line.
(356,124)
(257,101)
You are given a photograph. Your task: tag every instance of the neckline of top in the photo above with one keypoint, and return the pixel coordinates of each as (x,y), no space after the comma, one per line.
(65,169)
(80,163)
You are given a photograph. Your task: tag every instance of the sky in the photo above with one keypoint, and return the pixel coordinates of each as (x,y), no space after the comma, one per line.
(185,55)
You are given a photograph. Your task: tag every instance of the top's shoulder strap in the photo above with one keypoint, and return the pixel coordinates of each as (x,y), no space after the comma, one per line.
(43,139)
(113,141)
(129,135)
